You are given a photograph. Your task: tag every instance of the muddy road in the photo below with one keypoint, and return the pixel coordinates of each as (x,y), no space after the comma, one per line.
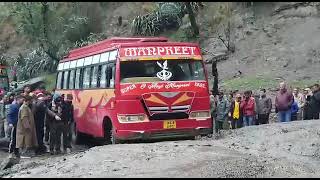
(273,150)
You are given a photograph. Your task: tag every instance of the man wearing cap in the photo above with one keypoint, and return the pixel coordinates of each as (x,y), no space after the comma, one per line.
(56,125)
(40,110)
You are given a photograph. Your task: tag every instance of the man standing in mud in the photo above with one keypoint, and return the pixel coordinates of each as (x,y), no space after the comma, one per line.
(248,109)
(47,118)
(12,118)
(56,125)
(299,98)
(315,101)
(67,117)
(235,113)
(283,103)
(40,110)
(264,106)
(221,113)
(212,108)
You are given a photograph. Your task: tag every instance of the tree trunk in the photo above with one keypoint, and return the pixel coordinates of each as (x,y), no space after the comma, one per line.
(44,11)
(192,19)
(45,43)
(215,78)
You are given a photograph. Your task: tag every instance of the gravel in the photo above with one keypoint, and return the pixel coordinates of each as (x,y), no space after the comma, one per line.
(272,150)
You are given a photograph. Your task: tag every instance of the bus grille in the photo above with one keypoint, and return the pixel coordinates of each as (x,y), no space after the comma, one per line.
(166,109)
(168,116)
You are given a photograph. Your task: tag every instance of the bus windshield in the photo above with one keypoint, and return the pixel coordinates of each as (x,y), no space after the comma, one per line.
(164,70)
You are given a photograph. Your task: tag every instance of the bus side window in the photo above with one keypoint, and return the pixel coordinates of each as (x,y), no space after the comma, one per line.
(62,79)
(103,78)
(59,80)
(86,78)
(94,77)
(72,79)
(66,80)
(111,75)
(99,76)
(78,83)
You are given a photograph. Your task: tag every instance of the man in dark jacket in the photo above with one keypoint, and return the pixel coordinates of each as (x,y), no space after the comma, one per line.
(12,118)
(264,106)
(67,118)
(40,110)
(307,110)
(315,101)
(47,118)
(283,103)
(56,125)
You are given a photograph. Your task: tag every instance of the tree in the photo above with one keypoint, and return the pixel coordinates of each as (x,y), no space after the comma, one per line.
(215,88)
(192,18)
(53,28)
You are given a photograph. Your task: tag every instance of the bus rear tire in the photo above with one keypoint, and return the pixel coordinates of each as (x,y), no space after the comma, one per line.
(77,137)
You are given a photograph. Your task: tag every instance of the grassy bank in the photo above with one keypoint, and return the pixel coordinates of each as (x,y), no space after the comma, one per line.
(257,82)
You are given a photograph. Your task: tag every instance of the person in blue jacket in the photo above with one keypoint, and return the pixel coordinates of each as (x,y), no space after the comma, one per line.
(294,110)
(12,118)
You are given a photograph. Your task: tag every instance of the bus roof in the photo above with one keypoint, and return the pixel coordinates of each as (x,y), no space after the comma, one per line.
(118,42)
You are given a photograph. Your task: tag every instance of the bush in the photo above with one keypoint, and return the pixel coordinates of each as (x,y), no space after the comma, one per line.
(167,16)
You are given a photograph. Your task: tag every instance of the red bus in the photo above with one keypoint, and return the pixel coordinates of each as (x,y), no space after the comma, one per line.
(136,88)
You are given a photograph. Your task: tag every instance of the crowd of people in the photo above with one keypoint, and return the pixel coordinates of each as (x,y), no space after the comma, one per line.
(237,110)
(34,119)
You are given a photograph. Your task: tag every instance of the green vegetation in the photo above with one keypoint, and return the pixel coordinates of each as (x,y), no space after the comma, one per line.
(167,16)
(249,83)
(52,28)
(50,81)
(303,83)
(257,82)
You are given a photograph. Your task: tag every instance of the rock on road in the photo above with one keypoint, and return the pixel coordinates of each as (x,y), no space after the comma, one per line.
(272,150)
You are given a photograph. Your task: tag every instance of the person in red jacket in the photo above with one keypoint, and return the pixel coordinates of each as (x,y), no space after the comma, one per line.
(248,109)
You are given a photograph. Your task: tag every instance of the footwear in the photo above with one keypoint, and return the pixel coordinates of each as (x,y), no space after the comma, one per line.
(51,152)
(58,152)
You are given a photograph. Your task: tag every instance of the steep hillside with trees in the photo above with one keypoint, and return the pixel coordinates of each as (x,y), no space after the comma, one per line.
(251,44)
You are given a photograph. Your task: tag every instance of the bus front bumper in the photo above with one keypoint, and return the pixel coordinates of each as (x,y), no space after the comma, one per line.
(203,128)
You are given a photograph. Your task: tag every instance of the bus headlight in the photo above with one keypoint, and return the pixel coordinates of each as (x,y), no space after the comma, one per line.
(200,115)
(131,118)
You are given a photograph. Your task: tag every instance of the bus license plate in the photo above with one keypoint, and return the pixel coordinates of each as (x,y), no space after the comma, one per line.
(169,124)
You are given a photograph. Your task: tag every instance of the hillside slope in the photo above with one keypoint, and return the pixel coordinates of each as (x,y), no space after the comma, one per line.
(273,41)
(274,47)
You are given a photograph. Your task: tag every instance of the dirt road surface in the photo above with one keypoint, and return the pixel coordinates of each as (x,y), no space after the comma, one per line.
(273,150)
